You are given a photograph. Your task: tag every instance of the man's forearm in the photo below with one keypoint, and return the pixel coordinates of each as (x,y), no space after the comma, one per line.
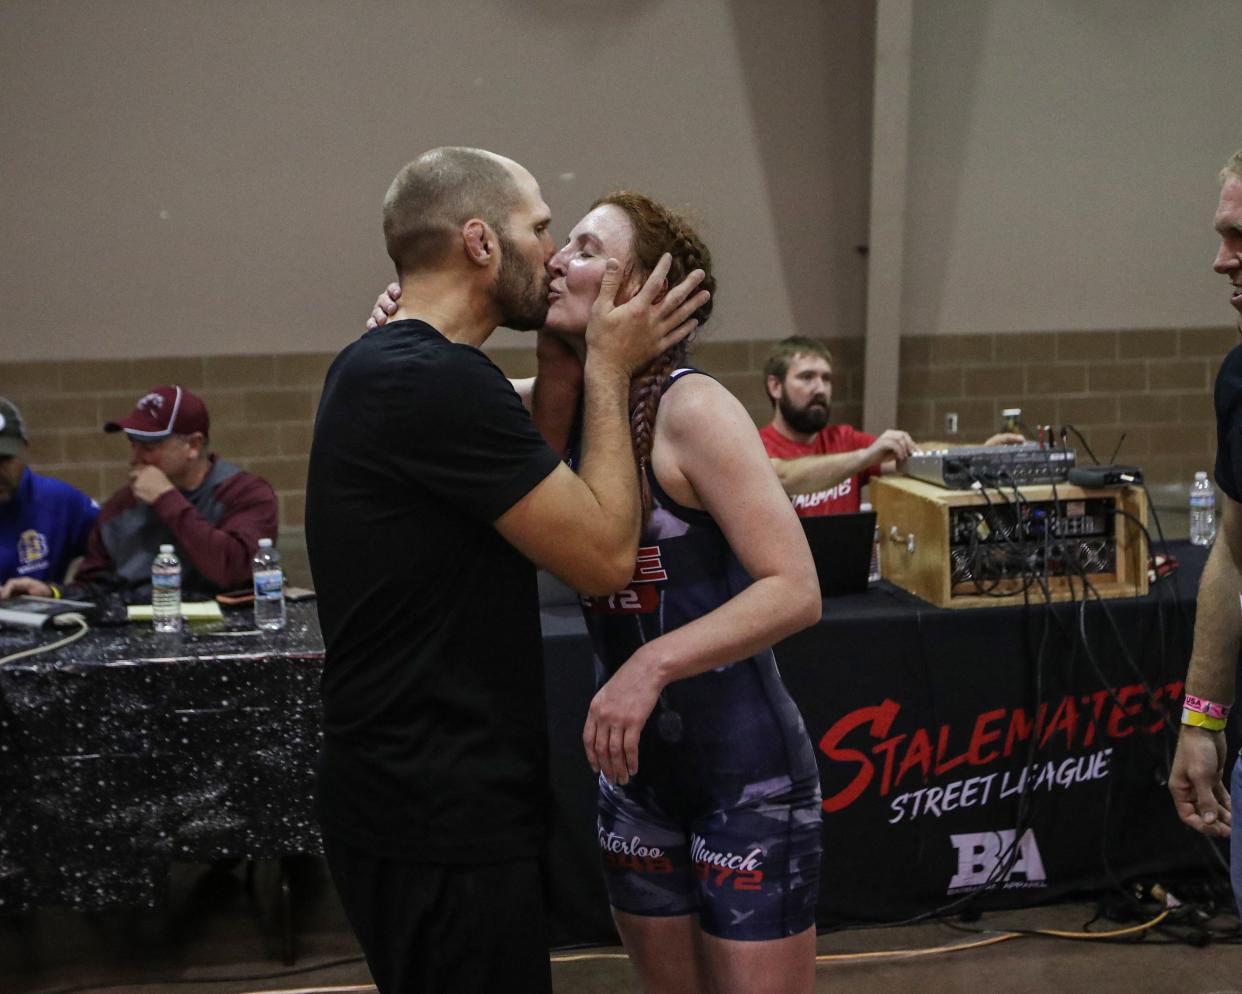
(811,473)
(1218,627)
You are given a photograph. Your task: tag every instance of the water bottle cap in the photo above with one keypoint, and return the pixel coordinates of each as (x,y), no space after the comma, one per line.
(166,548)
(265,543)
(1201,474)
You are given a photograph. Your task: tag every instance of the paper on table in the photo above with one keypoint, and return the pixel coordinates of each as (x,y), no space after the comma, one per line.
(190,610)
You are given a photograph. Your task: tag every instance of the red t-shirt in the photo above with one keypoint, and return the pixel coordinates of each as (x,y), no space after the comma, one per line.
(846,496)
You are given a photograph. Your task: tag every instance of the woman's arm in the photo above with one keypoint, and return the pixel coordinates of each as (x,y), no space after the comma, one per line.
(556,392)
(708,453)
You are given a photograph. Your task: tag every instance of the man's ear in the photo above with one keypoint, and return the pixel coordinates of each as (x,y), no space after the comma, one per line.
(197,441)
(479,241)
(774,387)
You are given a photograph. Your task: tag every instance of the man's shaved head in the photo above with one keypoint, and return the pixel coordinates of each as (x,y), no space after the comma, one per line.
(1232,168)
(433,196)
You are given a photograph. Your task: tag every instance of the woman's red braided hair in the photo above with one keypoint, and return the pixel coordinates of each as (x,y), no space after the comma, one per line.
(658,230)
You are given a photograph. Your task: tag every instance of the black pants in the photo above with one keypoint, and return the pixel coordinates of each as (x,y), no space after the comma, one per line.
(445,928)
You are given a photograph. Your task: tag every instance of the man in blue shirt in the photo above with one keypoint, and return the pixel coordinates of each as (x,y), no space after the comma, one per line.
(44,523)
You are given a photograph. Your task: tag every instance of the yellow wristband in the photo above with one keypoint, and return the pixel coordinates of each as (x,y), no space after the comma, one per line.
(1197,720)
(55,590)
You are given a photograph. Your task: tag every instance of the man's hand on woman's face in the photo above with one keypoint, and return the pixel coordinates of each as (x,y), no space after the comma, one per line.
(630,335)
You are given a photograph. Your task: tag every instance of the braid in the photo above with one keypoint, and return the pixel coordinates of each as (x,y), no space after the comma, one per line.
(658,230)
(692,254)
(645,393)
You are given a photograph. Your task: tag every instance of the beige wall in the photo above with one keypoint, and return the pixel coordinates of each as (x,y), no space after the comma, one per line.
(186,178)
(203,178)
(1063,160)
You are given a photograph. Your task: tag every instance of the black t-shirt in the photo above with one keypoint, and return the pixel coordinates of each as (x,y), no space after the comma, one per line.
(435,732)
(1228,398)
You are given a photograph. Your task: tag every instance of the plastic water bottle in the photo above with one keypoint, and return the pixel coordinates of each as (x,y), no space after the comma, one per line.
(1202,510)
(166,590)
(269,587)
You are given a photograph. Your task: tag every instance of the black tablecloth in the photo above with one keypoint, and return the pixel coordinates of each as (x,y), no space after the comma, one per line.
(129,749)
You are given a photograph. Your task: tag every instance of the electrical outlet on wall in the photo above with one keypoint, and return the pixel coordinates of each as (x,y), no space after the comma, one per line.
(950,423)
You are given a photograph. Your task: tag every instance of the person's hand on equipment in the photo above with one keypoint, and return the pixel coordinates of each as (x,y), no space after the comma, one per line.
(892,446)
(1195,781)
(1006,438)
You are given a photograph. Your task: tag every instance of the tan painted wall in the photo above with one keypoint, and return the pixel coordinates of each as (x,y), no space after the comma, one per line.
(202,178)
(1063,160)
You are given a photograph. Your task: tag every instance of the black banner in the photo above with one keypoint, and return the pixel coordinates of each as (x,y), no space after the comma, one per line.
(1020,751)
(1008,755)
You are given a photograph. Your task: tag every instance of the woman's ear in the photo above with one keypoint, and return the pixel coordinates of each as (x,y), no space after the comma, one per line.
(632,281)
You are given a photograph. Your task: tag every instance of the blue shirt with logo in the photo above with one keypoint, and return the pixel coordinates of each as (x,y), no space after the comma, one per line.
(43,528)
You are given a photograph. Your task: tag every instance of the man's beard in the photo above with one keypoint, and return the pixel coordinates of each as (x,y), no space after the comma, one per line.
(522,293)
(805,420)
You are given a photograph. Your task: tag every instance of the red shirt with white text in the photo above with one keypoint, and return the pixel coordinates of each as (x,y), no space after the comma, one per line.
(846,496)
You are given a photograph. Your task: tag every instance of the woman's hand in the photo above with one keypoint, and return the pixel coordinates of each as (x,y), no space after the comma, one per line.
(617,715)
(385,306)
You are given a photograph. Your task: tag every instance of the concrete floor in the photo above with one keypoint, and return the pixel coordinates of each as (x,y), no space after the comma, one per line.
(216,937)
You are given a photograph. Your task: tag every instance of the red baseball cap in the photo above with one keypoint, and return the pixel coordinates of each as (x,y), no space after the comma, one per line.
(164,411)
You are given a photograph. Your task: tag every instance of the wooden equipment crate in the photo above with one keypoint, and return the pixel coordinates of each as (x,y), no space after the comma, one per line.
(913,520)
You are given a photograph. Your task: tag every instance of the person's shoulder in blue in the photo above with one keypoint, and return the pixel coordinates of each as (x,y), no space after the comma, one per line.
(44,523)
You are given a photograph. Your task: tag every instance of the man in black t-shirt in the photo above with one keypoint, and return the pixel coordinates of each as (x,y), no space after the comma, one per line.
(431,497)
(1196,779)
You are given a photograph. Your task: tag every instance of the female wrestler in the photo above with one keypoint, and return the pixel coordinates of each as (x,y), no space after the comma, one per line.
(709,811)
(709,793)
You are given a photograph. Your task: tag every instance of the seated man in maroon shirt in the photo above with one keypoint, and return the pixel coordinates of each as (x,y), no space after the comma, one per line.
(823,466)
(210,511)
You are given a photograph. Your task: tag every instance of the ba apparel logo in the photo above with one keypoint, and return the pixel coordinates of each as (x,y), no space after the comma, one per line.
(981,855)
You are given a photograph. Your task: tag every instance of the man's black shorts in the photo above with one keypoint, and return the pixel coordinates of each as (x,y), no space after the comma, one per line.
(428,928)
